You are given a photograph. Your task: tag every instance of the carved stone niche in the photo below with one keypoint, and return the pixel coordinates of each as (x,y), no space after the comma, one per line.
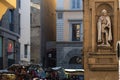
(102,45)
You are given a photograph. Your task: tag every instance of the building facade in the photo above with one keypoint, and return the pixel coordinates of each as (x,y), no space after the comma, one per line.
(9,35)
(118,45)
(48,28)
(69,33)
(5,4)
(35,31)
(24,18)
(100,51)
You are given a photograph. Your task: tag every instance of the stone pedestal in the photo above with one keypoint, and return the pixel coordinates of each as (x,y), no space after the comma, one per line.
(100,58)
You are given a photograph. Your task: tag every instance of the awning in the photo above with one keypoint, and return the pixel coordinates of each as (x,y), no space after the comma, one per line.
(74,71)
(56,68)
(6,4)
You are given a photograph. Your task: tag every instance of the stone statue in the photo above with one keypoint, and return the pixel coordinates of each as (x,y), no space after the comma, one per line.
(104,29)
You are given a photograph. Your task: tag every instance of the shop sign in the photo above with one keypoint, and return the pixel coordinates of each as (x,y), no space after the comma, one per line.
(10,47)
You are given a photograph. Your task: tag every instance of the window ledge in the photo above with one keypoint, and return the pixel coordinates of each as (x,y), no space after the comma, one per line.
(69,10)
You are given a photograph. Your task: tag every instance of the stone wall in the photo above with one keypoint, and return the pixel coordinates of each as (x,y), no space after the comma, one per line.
(48,25)
(100,61)
(35,31)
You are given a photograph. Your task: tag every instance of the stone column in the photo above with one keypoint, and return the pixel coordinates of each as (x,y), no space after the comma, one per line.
(5,58)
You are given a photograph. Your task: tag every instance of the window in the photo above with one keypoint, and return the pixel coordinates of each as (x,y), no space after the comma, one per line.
(25,50)
(60,4)
(31,18)
(10,49)
(76,4)
(76,31)
(11,52)
(11,17)
(19,21)
(19,3)
(60,15)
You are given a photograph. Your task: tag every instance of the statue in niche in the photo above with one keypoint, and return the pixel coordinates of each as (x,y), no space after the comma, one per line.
(104,29)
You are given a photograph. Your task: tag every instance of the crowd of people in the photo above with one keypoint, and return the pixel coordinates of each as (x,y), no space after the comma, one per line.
(34,72)
(29,72)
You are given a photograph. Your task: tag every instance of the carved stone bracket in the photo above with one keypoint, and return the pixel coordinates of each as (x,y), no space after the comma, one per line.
(102,61)
(103,49)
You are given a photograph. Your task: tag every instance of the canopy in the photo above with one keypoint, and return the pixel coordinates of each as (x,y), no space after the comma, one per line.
(74,71)
(56,68)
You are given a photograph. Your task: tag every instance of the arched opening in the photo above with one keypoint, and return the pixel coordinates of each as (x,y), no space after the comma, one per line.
(51,57)
(75,60)
(105,6)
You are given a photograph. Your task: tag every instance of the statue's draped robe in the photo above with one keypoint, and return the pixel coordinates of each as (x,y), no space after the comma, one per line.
(99,28)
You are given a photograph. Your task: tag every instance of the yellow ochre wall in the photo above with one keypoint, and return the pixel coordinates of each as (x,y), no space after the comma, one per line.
(5,4)
(69,16)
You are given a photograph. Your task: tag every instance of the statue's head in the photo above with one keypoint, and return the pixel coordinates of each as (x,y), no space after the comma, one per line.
(104,12)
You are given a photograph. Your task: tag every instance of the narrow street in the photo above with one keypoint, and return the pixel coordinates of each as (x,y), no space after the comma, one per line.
(59,39)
